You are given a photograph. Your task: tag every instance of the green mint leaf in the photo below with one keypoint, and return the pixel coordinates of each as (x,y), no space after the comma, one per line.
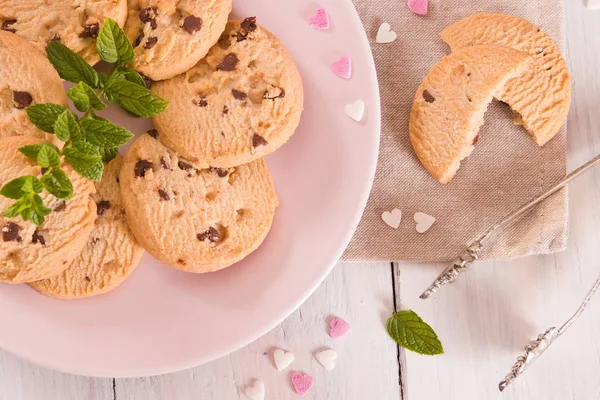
(105,134)
(16,209)
(14,189)
(44,115)
(32,151)
(109,154)
(410,332)
(88,148)
(88,165)
(135,98)
(39,210)
(48,157)
(70,65)
(58,183)
(67,126)
(93,172)
(32,184)
(129,75)
(113,45)
(84,98)
(37,219)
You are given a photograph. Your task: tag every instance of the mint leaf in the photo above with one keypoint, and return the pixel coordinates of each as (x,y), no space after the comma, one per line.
(44,115)
(135,98)
(88,165)
(87,148)
(84,98)
(112,44)
(32,184)
(18,207)
(32,151)
(39,210)
(93,172)
(67,126)
(70,65)
(129,75)
(48,157)
(105,134)
(410,332)
(14,188)
(109,154)
(58,183)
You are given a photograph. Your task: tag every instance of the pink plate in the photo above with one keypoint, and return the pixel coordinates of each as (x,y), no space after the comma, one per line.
(162,320)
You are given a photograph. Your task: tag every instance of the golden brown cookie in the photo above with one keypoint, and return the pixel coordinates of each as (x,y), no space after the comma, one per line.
(541,96)
(26,78)
(110,254)
(448,108)
(170,36)
(75,23)
(195,220)
(29,253)
(242,102)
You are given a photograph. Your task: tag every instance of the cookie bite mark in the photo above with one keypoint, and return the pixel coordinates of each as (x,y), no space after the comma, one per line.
(10,232)
(192,24)
(141,167)
(21,99)
(90,31)
(258,141)
(8,25)
(229,63)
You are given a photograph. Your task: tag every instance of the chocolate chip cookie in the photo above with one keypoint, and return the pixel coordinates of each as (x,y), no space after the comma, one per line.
(26,78)
(75,23)
(170,36)
(110,254)
(193,219)
(28,252)
(240,103)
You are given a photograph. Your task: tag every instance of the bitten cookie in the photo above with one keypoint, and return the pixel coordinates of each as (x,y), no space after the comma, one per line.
(448,108)
(170,36)
(29,253)
(110,254)
(195,220)
(75,23)
(242,102)
(541,96)
(26,78)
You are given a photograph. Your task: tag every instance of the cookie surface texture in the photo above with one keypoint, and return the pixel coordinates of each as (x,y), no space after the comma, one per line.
(449,105)
(74,23)
(111,253)
(170,36)
(27,252)
(240,103)
(26,78)
(195,220)
(541,96)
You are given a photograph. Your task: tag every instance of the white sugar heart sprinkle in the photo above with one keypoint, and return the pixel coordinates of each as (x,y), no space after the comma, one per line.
(256,391)
(327,358)
(423,221)
(356,110)
(593,4)
(282,359)
(392,218)
(385,34)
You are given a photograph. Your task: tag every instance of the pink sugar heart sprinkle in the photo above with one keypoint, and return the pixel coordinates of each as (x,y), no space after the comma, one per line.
(302,383)
(320,20)
(342,67)
(418,6)
(338,327)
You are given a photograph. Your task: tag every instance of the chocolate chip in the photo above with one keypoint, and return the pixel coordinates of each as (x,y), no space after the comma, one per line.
(55,38)
(95,240)
(192,24)
(222,173)
(138,40)
(476,139)
(44,170)
(428,97)
(38,238)
(153,133)
(141,167)
(200,103)
(248,25)
(258,140)
(151,42)
(21,99)
(102,206)
(211,234)
(240,38)
(60,206)
(225,110)
(228,63)
(185,166)
(118,180)
(148,14)
(238,95)
(6,25)
(271,94)
(164,163)
(10,232)
(87,278)
(164,195)
(181,261)
(90,31)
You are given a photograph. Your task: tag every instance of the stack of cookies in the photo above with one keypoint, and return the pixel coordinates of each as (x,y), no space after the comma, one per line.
(493,56)
(195,191)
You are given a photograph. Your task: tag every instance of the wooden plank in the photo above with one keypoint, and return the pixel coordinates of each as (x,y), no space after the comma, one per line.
(20,380)
(367,359)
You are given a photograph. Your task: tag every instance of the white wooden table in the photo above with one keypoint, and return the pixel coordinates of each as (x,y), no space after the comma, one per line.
(484,320)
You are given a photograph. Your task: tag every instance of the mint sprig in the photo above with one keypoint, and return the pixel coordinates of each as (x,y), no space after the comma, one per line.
(411,332)
(90,140)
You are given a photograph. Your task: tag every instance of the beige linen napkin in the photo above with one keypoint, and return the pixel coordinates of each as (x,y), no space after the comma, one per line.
(505,170)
